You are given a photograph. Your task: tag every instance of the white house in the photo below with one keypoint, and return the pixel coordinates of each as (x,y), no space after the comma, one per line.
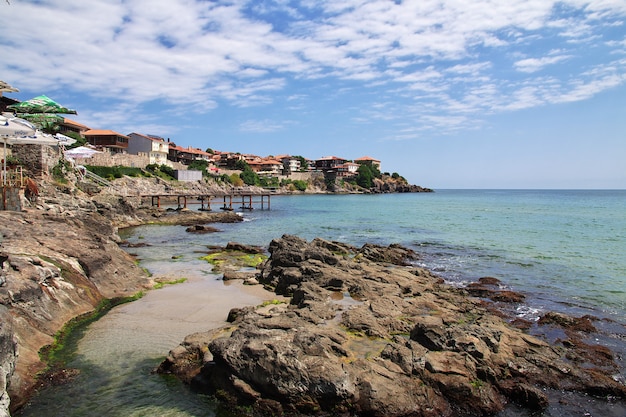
(155,147)
(348,169)
(290,163)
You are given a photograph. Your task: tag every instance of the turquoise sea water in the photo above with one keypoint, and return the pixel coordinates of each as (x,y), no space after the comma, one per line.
(566,247)
(563,249)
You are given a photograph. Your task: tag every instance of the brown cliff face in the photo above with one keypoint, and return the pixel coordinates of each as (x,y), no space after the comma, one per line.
(57,265)
(365,334)
(59,258)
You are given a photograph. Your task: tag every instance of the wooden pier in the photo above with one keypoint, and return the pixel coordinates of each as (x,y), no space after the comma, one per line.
(207,202)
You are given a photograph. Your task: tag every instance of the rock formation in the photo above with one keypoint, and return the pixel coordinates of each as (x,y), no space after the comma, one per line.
(56,265)
(8,357)
(366,333)
(59,258)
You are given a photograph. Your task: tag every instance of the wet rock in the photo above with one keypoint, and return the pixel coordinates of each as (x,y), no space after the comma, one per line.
(240,247)
(581,324)
(393,254)
(230,275)
(201,229)
(492,288)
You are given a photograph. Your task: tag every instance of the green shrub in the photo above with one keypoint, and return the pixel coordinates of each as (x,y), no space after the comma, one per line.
(162,171)
(59,170)
(115,172)
(300,185)
(249,177)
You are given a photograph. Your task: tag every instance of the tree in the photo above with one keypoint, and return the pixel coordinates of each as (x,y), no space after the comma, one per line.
(235,180)
(300,185)
(303,162)
(249,177)
(199,165)
(365,176)
(80,141)
(242,165)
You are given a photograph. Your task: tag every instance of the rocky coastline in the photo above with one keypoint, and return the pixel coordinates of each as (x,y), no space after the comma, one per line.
(60,258)
(367,333)
(363,330)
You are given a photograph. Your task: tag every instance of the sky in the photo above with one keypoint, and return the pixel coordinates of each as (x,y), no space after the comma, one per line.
(449,94)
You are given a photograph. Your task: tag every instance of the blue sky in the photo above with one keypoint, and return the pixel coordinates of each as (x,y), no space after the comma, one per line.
(450,94)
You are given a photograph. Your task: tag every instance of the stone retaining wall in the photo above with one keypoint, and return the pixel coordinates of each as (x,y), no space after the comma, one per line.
(37,160)
(107,159)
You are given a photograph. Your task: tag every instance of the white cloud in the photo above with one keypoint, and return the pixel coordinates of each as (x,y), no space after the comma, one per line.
(450,56)
(537,64)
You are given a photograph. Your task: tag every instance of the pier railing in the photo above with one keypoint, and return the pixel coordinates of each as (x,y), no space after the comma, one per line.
(246,201)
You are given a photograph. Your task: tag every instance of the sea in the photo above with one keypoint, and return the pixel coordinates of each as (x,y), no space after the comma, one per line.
(564,249)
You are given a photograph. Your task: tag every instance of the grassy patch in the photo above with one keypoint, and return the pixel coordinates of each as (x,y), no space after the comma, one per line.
(214,259)
(252,260)
(162,283)
(63,348)
(234,258)
(477,384)
(272,302)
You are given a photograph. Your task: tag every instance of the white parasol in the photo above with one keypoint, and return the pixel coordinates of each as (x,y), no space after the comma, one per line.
(64,140)
(80,152)
(16,131)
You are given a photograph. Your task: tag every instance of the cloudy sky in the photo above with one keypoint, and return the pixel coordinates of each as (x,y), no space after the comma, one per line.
(450,94)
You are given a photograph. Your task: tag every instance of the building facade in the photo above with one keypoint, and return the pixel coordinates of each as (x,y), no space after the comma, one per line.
(115,142)
(155,147)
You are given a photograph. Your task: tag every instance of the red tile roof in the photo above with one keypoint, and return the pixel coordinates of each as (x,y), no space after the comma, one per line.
(76,124)
(100,132)
(367,158)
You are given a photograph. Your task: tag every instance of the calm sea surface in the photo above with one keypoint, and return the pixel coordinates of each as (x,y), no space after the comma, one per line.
(566,250)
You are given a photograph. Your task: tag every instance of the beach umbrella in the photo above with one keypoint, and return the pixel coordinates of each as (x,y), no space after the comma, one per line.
(40,104)
(11,128)
(42,111)
(80,152)
(17,131)
(44,121)
(64,140)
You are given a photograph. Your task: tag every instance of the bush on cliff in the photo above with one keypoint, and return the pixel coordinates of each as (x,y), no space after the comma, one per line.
(162,171)
(115,172)
(249,177)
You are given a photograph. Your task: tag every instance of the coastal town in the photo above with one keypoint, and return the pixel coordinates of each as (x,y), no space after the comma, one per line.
(313,208)
(87,148)
(154,149)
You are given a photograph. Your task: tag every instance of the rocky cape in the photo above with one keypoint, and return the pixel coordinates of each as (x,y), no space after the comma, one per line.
(366,333)
(60,258)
